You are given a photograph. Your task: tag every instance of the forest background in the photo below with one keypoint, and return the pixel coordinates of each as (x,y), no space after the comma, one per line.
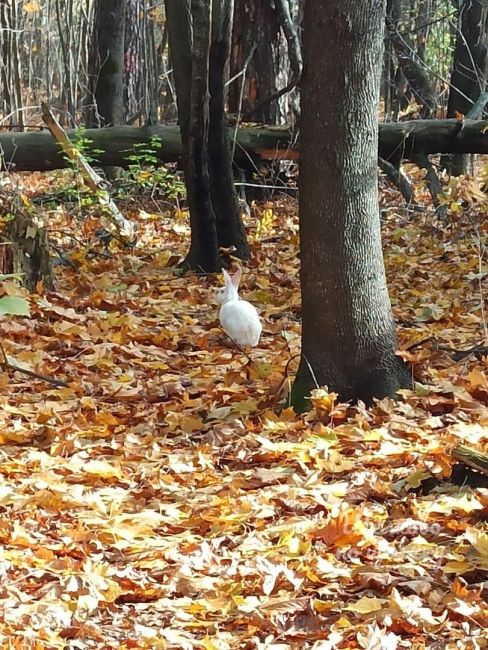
(157,490)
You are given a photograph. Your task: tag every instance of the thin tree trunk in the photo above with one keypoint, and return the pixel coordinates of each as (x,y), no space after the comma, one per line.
(152,72)
(63,22)
(133,54)
(410,65)
(109,93)
(348,337)
(11,64)
(89,102)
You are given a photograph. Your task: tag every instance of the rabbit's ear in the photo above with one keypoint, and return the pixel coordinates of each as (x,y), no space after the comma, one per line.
(236,278)
(227,278)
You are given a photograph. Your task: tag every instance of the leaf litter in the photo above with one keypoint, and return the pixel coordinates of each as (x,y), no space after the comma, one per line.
(163,499)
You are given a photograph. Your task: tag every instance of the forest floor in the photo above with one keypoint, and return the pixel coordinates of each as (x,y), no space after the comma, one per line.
(165,500)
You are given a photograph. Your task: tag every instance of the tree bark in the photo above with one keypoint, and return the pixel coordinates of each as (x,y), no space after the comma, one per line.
(133,56)
(26,251)
(412,68)
(109,92)
(470,67)
(230,229)
(257,31)
(37,151)
(204,252)
(348,336)
(199,46)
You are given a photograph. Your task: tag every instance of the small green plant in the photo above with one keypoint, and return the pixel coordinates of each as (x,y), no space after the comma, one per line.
(145,154)
(145,173)
(82,145)
(74,191)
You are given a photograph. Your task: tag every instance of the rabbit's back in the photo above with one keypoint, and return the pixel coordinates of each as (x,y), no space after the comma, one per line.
(241,322)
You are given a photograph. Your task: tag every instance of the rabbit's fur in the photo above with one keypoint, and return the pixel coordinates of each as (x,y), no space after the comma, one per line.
(239,319)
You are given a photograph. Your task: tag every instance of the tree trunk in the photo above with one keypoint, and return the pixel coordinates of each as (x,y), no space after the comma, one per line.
(199,62)
(230,229)
(258,40)
(409,64)
(470,67)
(399,90)
(189,45)
(178,19)
(26,251)
(132,56)
(204,253)
(348,337)
(89,102)
(11,73)
(64,16)
(109,92)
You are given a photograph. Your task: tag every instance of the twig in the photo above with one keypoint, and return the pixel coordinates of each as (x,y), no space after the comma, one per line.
(241,95)
(457,355)
(398,177)
(432,180)
(285,374)
(239,347)
(51,380)
(477,109)
(310,369)
(417,344)
(480,249)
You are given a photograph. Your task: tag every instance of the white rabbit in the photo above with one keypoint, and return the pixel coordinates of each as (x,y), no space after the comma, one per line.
(239,319)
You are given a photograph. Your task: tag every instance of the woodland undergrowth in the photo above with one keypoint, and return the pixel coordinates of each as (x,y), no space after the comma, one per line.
(168,498)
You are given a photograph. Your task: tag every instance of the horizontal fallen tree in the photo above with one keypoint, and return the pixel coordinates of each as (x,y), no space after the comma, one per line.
(413,140)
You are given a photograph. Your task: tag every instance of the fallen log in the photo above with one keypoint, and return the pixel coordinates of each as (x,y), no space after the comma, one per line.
(37,151)
(471,457)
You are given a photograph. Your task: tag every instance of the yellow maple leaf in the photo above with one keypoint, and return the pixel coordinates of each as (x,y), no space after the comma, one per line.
(367,605)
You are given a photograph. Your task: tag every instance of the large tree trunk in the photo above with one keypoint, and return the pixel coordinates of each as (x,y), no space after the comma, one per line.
(230,229)
(348,337)
(109,92)
(257,39)
(204,253)
(199,51)
(470,67)
(189,45)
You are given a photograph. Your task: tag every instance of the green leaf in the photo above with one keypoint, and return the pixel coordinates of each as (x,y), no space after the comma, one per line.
(14,306)
(10,276)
